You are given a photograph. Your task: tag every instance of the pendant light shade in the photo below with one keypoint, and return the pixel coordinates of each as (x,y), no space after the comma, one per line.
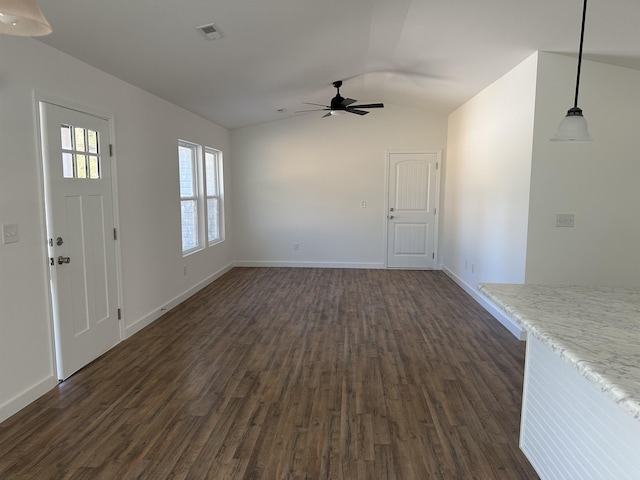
(22,17)
(573,128)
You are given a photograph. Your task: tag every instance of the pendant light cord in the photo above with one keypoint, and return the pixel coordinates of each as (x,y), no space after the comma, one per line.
(584,16)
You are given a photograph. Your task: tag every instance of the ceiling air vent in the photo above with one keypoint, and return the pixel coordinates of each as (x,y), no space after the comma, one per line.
(210,31)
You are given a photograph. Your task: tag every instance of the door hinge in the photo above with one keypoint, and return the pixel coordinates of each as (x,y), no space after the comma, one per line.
(433,255)
(435,211)
(111,150)
(119,314)
(437,165)
(115,233)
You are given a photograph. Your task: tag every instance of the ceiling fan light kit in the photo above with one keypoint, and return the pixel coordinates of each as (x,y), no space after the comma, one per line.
(340,105)
(23,18)
(574,128)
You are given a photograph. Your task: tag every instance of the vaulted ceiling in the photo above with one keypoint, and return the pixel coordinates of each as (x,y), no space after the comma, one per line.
(277,54)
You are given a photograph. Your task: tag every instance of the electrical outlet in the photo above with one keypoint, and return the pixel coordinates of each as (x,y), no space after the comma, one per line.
(296,246)
(363,204)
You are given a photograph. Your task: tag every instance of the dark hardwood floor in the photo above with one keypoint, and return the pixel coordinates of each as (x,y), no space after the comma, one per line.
(282,373)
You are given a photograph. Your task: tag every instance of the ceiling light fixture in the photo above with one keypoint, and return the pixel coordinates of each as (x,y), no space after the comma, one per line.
(24,18)
(573,128)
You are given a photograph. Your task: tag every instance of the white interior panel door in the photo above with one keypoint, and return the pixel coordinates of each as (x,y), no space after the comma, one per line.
(411,219)
(80,225)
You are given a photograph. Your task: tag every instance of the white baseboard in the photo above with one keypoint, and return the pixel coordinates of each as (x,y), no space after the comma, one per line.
(23,399)
(506,322)
(248,263)
(161,310)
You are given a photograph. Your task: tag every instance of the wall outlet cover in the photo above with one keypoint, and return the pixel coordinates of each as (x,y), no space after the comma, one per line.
(565,219)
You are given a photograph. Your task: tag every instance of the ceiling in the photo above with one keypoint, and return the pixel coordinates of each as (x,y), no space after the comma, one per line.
(277,54)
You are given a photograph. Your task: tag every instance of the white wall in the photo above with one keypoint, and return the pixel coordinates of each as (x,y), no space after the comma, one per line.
(487,182)
(302,179)
(597,181)
(146,133)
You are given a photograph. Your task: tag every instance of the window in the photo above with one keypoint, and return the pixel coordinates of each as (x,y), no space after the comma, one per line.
(80,156)
(212,170)
(201,201)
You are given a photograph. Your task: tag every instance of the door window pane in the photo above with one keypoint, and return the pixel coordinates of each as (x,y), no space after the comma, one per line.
(92,139)
(76,142)
(67,165)
(79,138)
(65,134)
(94,171)
(81,166)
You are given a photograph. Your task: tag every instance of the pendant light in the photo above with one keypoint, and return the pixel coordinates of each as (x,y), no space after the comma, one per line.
(23,17)
(573,128)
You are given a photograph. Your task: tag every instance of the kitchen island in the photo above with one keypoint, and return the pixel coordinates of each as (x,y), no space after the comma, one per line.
(581,399)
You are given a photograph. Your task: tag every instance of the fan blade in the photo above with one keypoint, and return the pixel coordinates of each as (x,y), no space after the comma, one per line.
(327,115)
(347,101)
(369,105)
(358,112)
(314,110)
(317,104)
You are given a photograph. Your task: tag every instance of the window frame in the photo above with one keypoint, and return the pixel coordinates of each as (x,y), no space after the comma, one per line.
(201,196)
(218,195)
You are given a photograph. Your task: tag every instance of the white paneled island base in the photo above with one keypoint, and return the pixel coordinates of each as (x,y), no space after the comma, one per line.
(581,411)
(569,430)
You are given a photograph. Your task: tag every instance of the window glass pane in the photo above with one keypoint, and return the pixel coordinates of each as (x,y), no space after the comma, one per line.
(79,137)
(81,166)
(189,224)
(92,140)
(213,219)
(65,136)
(67,165)
(186,157)
(211,174)
(94,170)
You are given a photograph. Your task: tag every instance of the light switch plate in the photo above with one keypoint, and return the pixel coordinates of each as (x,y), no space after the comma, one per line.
(9,233)
(565,219)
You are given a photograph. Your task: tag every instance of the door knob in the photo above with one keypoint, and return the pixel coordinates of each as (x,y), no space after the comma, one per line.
(391,217)
(62,260)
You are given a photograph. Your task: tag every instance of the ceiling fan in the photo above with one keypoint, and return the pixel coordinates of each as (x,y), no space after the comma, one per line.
(340,105)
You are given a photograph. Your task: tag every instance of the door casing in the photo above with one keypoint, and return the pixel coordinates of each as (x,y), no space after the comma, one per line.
(38,98)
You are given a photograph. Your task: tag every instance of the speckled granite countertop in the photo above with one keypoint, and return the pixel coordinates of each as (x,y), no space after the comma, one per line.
(594,329)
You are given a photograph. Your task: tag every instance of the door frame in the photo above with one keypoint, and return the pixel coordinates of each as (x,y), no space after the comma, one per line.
(388,153)
(46,213)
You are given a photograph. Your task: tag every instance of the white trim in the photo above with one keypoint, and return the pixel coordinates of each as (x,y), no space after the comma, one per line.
(248,263)
(161,310)
(29,395)
(513,327)
(42,178)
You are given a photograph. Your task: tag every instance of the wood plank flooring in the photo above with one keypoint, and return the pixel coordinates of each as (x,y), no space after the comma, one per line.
(283,373)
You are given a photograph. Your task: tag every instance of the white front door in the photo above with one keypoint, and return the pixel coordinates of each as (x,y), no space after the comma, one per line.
(411,217)
(80,228)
